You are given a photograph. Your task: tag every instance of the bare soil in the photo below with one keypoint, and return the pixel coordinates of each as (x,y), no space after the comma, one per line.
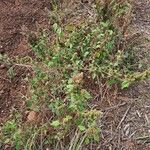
(17,17)
(126,121)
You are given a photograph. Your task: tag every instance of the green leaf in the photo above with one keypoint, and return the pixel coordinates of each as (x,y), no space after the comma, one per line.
(86,54)
(104,24)
(70,27)
(96,138)
(86,94)
(59,31)
(29,103)
(50,63)
(55,26)
(67,118)
(125,84)
(70,87)
(87,141)
(46,142)
(11,73)
(55,123)
(81,127)
(111,82)
(17,146)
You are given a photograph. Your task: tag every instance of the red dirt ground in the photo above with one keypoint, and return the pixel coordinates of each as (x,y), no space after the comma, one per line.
(15,17)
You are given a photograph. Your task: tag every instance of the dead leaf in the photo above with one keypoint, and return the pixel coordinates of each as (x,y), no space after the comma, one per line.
(31,116)
(78,78)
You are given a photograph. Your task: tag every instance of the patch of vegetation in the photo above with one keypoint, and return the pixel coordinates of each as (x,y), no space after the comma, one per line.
(59,114)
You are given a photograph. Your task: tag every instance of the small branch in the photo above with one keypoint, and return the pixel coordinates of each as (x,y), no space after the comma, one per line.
(143,138)
(114,107)
(123,118)
(22,65)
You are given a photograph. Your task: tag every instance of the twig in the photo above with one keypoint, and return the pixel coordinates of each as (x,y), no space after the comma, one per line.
(123,118)
(143,138)
(119,140)
(147,119)
(132,134)
(22,65)
(114,107)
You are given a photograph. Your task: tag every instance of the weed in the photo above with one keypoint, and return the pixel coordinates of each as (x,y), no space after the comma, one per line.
(58,83)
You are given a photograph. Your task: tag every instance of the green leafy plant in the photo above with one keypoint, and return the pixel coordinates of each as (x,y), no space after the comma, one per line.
(97,52)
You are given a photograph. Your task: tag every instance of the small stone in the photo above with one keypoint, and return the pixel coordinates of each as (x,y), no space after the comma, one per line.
(1,92)
(2,66)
